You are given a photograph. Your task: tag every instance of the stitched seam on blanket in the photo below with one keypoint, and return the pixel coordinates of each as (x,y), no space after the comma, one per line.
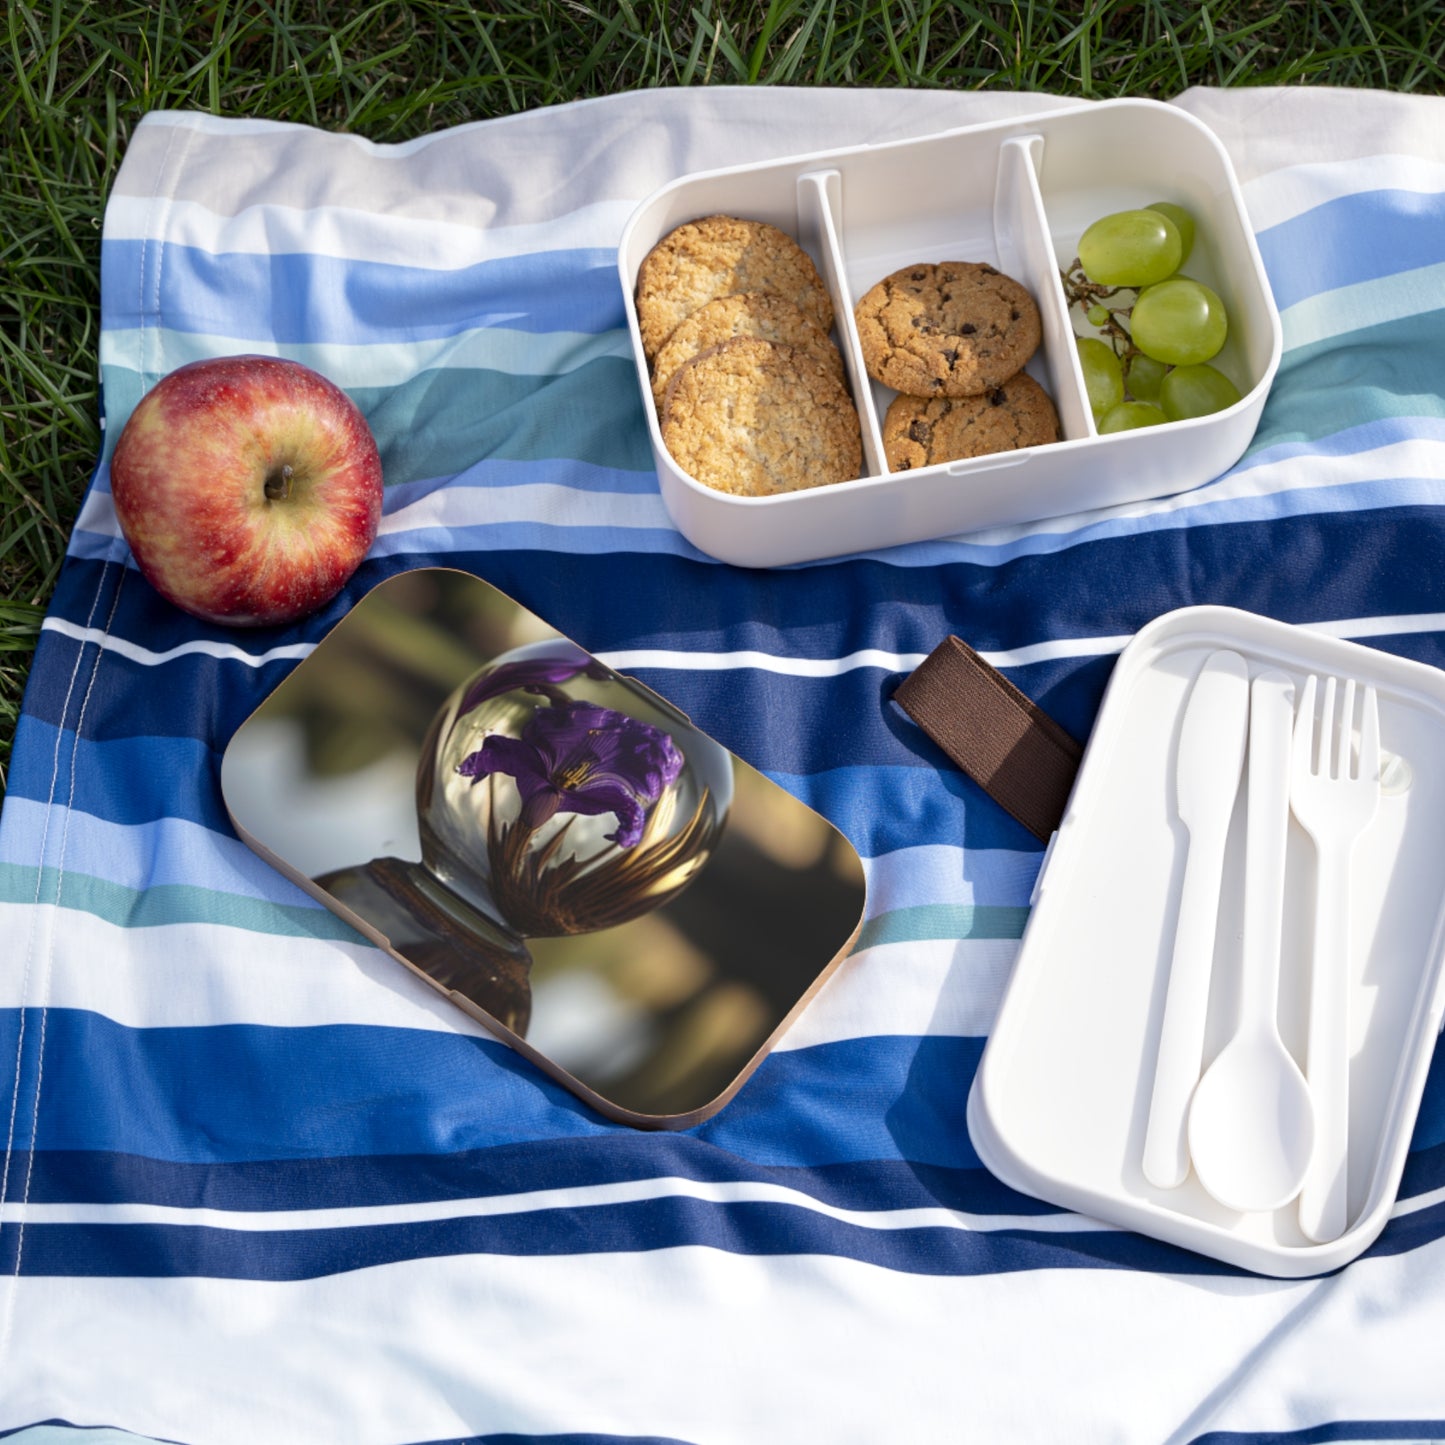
(164,191)
(48,967)
(30,956)
(29,950)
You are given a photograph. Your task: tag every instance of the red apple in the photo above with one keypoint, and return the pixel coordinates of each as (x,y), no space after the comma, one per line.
(248,487)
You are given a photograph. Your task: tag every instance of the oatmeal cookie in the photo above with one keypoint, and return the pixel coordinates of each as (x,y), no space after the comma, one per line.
(717,256)
(748,313)
(752,417)
(918,432)
(956,328)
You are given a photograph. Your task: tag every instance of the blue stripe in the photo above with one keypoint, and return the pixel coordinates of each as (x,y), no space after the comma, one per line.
(125,780)
(143,780)
(248,1117)
(300,297)
(215,1093)
(879,809)
(166,853)
(1350,239)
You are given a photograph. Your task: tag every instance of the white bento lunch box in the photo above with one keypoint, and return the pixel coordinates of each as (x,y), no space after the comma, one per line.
(1016,195)
(1060,1105)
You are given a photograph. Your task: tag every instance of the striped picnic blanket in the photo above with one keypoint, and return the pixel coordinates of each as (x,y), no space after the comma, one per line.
(260,1185)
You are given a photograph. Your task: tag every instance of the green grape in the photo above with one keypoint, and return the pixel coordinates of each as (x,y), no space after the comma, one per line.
(1130,248)
(1098,315)
(1179,322)
(1129,415)
(1196,391)
(1103,376)
(1144,376)
(1183,223)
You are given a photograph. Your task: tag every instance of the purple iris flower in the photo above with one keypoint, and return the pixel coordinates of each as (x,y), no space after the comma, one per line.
(577,757)
(528,674)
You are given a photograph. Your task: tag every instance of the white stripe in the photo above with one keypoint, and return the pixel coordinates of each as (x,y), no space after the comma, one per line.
(425,243)
(696,1343)
(202,647)
(1418,1202)
(196,975)
(187,975)
(357,365)
(1292,191)
(633,659)
(1419,457)
(667,659)
(594,1196)
(457,506)
(545,502)
(1362,305)
(925,988)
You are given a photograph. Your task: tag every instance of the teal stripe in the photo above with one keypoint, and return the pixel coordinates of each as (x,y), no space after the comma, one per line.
(943,920)
(167,903)
(439,423)
(1376,374)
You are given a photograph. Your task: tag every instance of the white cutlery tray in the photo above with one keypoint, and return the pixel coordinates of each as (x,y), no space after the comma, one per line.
(1016,195)
(1060,1104)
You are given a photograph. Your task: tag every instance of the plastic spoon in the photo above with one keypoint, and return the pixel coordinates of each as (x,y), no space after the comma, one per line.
(1251,1122)
(1211,754)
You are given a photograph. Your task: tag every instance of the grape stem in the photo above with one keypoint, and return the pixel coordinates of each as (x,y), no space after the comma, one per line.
(1085,294)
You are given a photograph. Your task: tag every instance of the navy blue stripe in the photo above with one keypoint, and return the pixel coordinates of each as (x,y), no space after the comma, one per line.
(1353,238)
(509,1438)
(1410,1231)
(205,697)
(1339,565)
(755,1229)
(300,297)
(1417,1432)
(567,1439)
(59,1176)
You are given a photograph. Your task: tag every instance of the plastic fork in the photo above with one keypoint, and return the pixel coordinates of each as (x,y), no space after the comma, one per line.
(1334,794)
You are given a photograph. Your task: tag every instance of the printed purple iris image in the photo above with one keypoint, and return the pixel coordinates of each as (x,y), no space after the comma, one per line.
(551,844)
(576,757)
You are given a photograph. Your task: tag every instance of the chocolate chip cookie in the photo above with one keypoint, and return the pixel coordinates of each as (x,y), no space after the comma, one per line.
(752,417)
(918,432)
(955,328)
(749,313)
(717,256)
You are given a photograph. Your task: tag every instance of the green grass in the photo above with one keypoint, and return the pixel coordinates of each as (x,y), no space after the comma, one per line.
(75,78)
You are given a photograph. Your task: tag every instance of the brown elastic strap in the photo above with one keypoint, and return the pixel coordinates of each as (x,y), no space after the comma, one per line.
(1008,745)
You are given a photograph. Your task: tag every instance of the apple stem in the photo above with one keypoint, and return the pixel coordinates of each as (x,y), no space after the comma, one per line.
(278,484)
